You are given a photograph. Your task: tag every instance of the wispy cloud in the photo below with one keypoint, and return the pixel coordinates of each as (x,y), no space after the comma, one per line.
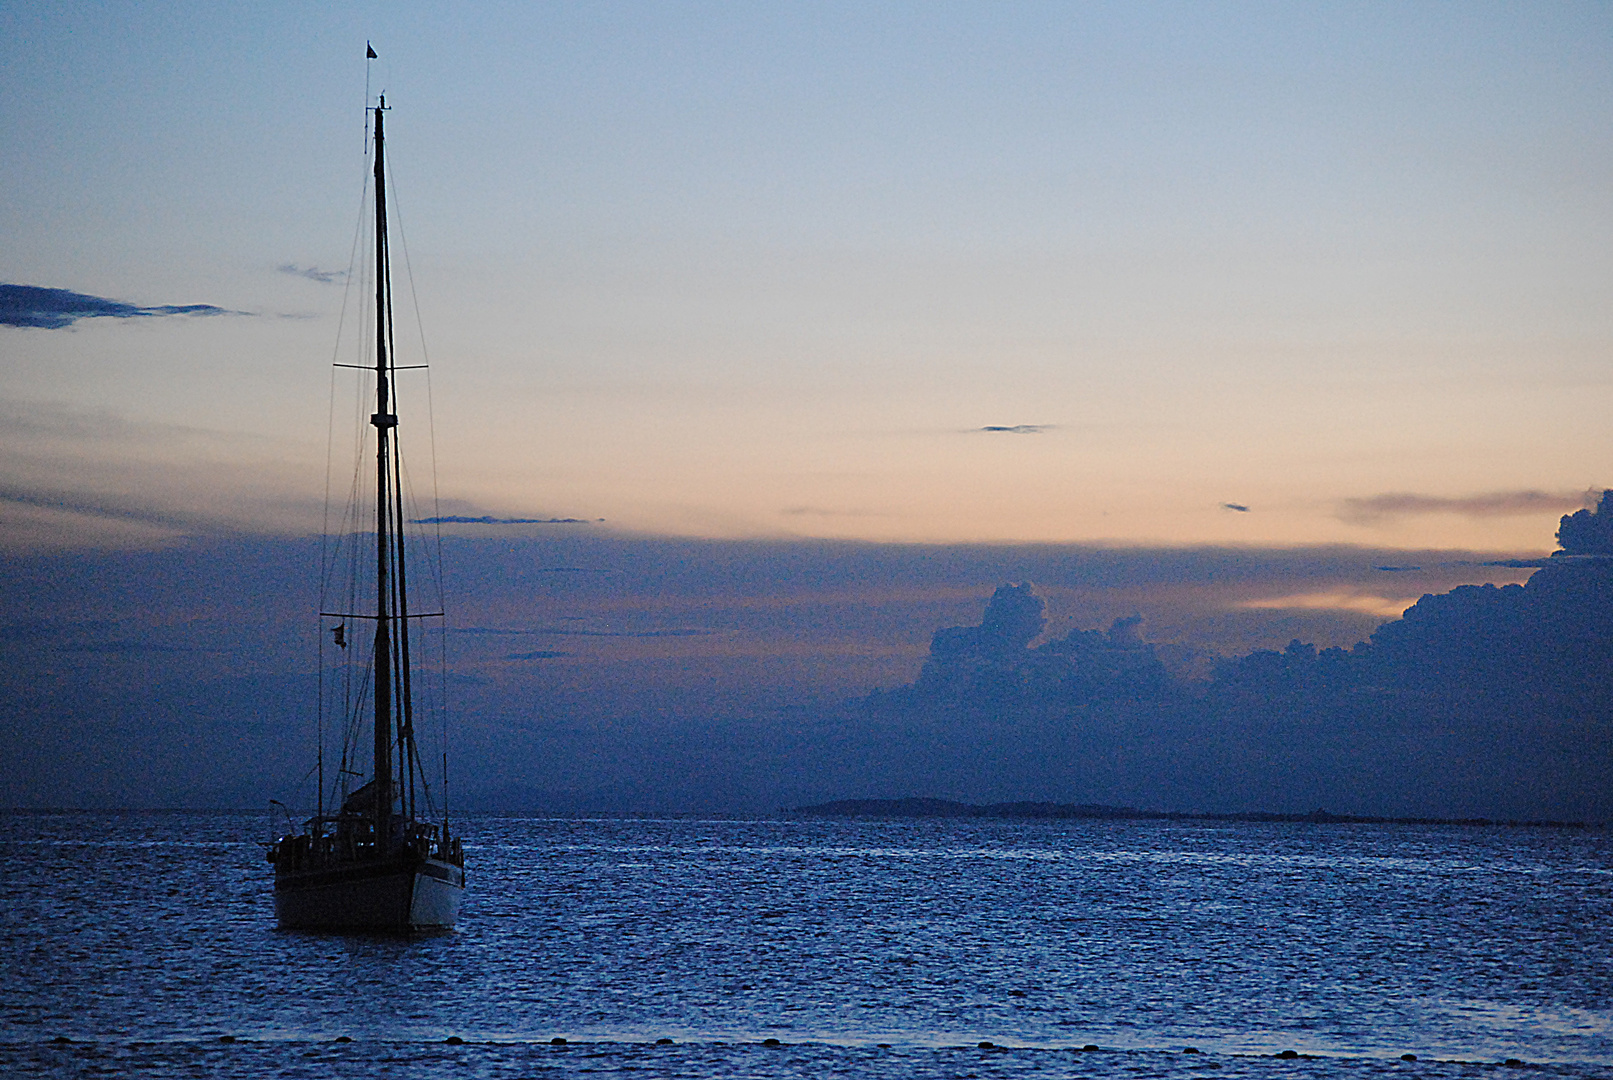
(1376,508)
(312,273)
(1239,507)
(544,631)
(40,308)
(1388,607)
(1017,429)
(456,519)
(71,476)
(541,654)
(1511,564)
(83,636)
(99,505)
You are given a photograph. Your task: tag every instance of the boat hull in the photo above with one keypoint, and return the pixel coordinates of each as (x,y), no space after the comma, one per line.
(387,896)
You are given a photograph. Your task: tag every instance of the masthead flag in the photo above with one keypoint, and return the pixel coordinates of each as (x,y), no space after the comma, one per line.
(369,51)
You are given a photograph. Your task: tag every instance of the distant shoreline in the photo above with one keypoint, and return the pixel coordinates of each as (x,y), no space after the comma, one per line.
(945,808)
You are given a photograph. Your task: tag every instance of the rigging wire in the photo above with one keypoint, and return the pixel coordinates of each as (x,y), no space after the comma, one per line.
(435,560)
(358,675)
(329,552)
(435,706)
(340,557)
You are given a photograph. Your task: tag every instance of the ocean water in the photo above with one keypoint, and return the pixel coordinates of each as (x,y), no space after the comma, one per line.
(145,945)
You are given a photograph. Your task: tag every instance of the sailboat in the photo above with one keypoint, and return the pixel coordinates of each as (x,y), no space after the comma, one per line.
(377,863)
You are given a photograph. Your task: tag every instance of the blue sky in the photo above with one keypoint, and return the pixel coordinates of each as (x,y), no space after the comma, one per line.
(768,270)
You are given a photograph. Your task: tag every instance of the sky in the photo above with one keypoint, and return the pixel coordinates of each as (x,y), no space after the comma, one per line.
(726,270)
(813,323)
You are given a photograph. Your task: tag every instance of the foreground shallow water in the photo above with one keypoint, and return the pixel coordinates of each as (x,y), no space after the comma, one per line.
(147,940)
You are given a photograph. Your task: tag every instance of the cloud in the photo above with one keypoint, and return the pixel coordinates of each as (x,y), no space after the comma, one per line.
(324,277)
(455,519)
(1588,531)
(95,505)
(1387,607)
(1511,564)
(1375,508)
(1239,507)
(542,654)
(720,635)
(551,632)
(53,309)
(1511,682)
(86,636)
(1013,619)
(72,477)
(1017,429)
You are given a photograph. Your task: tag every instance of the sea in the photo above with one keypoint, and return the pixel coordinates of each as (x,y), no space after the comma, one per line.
(144,944)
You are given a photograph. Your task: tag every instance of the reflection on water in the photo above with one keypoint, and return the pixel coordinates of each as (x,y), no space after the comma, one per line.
(145,936)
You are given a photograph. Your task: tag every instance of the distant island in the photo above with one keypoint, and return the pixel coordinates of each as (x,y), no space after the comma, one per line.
(946,808)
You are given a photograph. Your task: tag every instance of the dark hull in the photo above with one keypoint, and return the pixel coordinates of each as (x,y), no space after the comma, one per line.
(393,895)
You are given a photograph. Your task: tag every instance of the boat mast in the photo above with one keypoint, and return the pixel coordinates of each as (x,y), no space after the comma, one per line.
(384,420)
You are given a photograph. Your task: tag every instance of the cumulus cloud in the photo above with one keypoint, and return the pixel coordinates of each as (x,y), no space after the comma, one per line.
(1013,619)
(1588,531)
(54,309)
(1512,682)
(312,273)
(1375,508)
